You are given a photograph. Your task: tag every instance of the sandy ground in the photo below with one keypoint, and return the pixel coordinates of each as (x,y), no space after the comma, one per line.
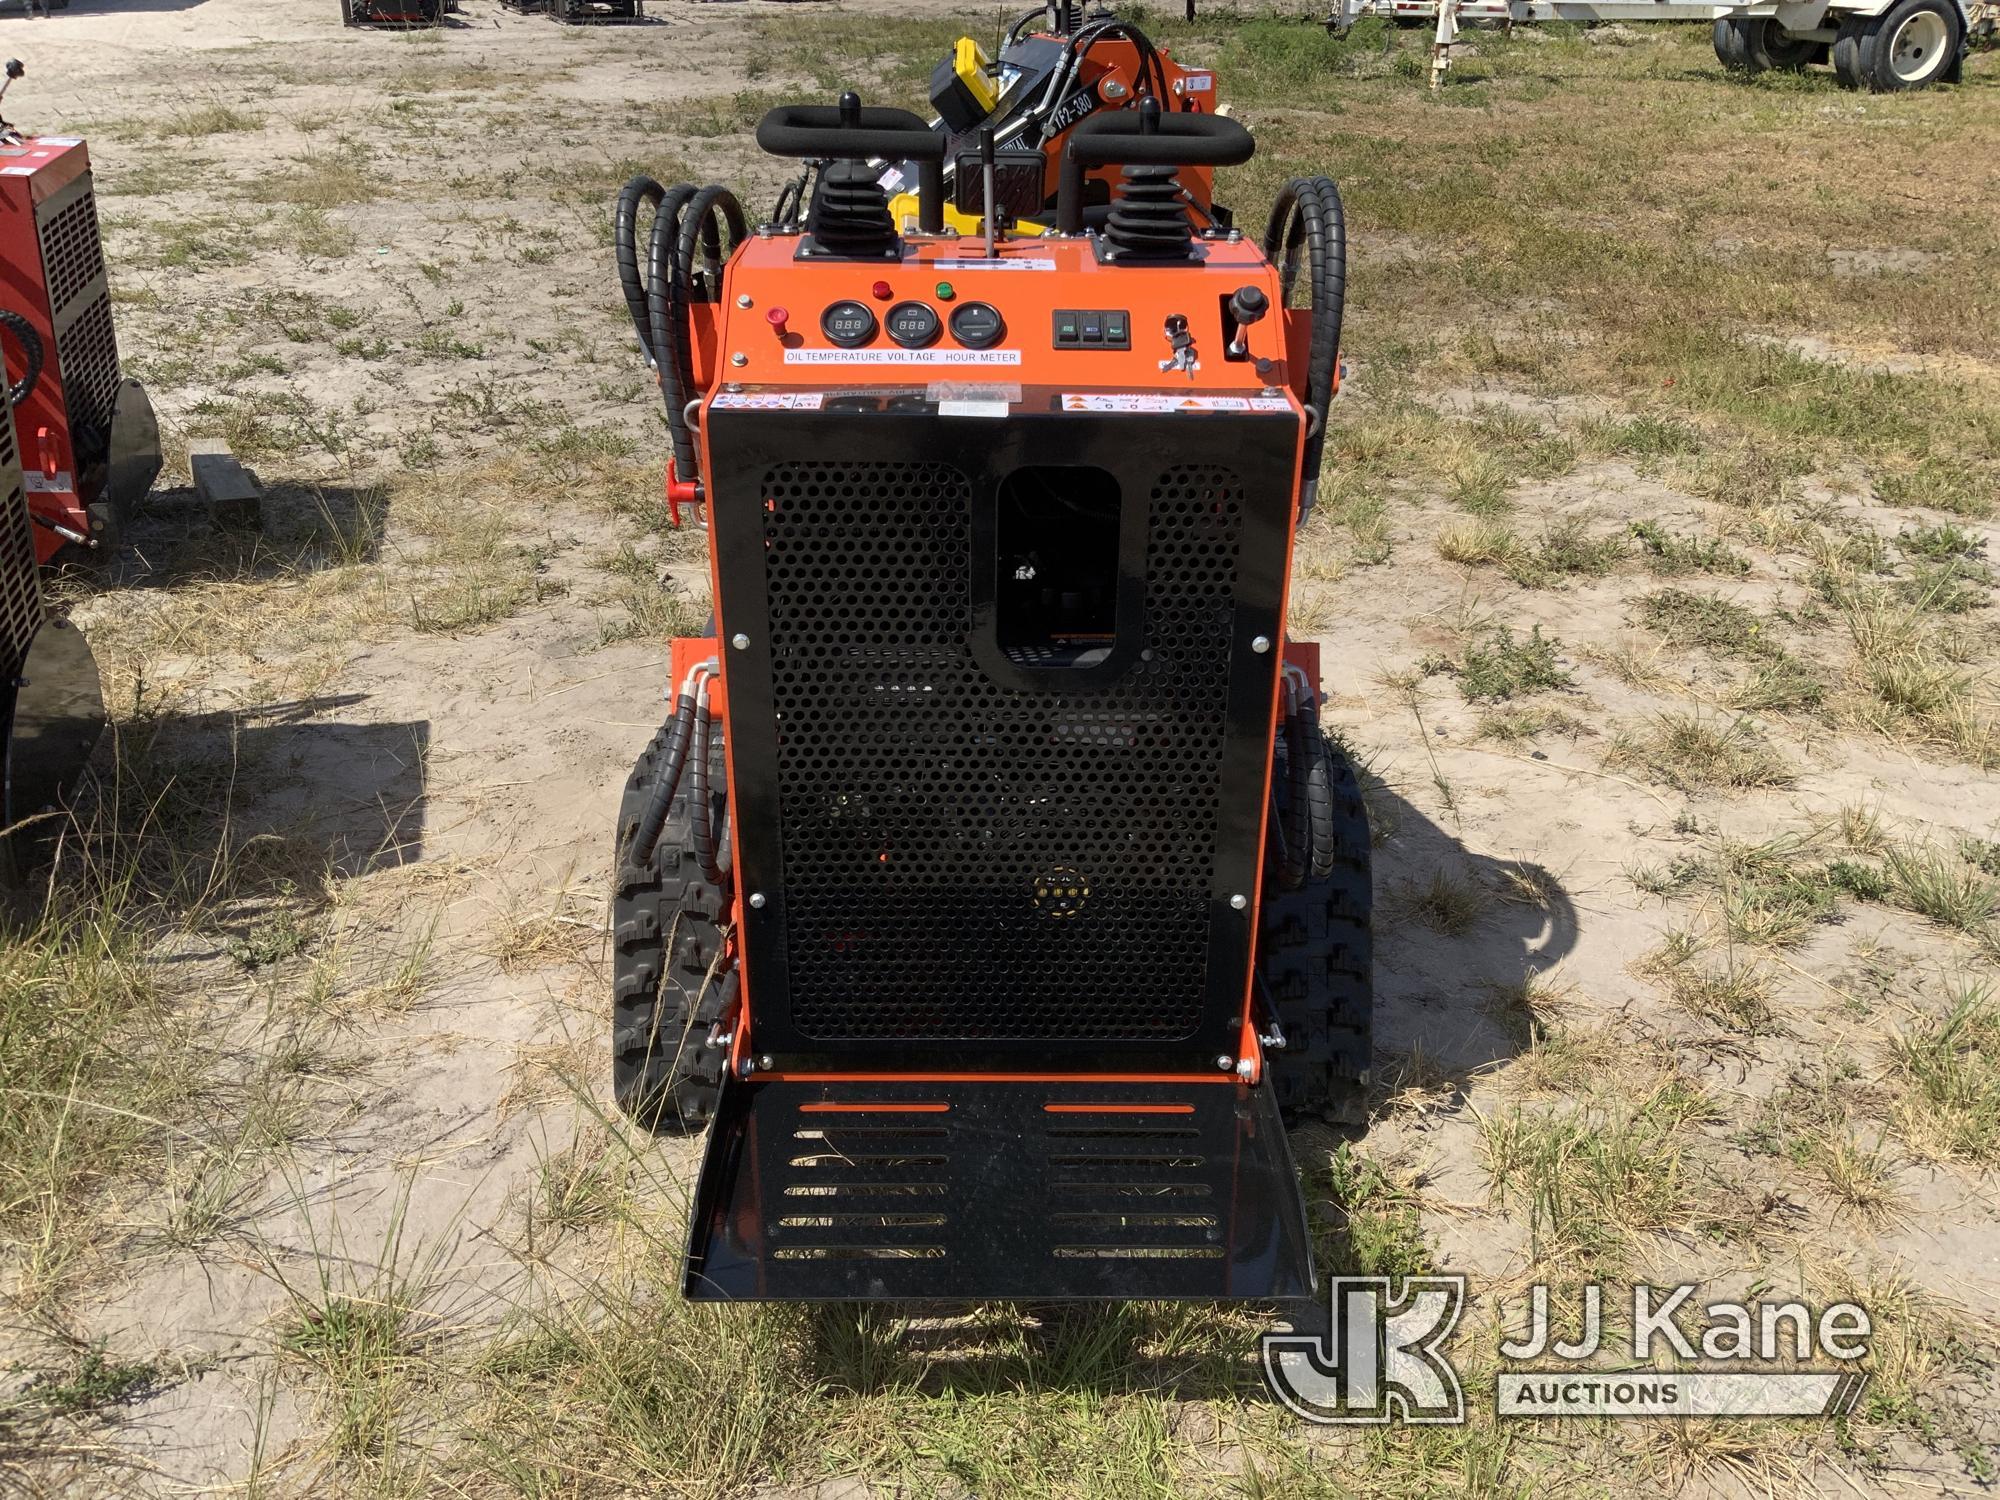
(466,780)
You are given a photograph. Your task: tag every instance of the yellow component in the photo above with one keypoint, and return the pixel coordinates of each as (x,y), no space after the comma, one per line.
(975,70)
(903,209)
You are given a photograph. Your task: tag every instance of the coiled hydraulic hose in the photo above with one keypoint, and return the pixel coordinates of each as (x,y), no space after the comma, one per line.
(625,239)
(32,353)
(1308,227)
(687,241)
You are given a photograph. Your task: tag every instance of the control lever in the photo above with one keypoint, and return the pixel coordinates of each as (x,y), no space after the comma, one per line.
(1182,344)
(9,136)
(1248,306)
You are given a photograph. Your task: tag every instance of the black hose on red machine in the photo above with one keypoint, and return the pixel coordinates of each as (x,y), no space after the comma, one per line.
(686,252)
(1308,224)
(711,848)
(625,242)
(653,817)
(32,356)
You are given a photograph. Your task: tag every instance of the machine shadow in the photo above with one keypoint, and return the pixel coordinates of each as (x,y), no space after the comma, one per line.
(304,528)
(1459,935)
(1460,938)
(223,814)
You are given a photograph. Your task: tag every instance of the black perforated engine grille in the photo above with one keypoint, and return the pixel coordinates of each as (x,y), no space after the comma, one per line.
(87,355)
(20,585)
(965,860)
(72,255)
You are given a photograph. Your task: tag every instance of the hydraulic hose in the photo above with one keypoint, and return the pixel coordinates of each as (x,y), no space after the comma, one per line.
(673,359)
(653,817)
(701,815)
(32,353)
(688,240)
(1309,227)
(625,237)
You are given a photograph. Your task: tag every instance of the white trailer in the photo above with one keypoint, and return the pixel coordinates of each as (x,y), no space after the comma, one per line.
(1882,45)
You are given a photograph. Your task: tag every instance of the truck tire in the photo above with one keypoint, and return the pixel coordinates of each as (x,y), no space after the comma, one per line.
(668,986)
(1911,46)
(1315,964)
(1732,44)
(1771,47)
(1847,54)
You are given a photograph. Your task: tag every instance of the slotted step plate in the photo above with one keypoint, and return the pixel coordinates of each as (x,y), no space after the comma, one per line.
(835,1191)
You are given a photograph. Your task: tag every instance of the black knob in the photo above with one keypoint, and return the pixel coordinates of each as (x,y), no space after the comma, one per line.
(850,110)
(1248,305)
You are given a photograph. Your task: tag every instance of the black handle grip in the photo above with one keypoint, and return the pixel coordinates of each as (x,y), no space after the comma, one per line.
(850,131)
(807,131)
(1149,138)
(1176,140)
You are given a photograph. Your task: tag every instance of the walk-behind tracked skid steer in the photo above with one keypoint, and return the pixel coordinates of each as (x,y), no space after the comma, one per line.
(991,894)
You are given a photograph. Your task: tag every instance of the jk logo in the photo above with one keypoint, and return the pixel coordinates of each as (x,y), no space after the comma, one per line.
(1380,1358)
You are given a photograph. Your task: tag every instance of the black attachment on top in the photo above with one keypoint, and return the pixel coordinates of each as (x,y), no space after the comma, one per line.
(1175,140)
(851,131)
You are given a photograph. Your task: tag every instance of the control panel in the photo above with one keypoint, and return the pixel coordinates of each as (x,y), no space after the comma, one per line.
(1105,328)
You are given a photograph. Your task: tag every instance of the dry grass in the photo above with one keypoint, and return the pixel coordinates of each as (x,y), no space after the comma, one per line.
(1694,752)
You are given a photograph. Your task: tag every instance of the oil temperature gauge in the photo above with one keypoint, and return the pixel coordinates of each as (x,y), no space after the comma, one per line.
(847,324)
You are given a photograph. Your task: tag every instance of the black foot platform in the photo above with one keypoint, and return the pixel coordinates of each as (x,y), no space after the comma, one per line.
(997,1190)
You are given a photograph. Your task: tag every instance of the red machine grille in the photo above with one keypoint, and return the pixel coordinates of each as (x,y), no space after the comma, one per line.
(964,860)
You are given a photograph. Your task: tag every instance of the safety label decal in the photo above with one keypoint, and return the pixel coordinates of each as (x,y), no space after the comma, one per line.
(902,356)
(771,400)
(1033,263)
(35,482)
(1141,401)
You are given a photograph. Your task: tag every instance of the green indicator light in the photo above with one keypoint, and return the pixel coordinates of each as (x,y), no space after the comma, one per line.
(945,292)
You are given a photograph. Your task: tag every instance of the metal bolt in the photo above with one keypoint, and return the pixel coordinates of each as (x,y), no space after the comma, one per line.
(732,386)
(1261,644)
(740,642)
(1235,236)
(746,1068)
(739,359)
(743,300)
(764,1062)
(1239,901)
(1272,390)
(1245,1068)
(757,900)
(1225,1062)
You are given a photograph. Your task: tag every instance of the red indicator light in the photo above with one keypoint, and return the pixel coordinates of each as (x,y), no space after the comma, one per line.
(882,291)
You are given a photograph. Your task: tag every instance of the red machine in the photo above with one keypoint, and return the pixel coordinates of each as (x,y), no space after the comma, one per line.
(992,895)
(90,447)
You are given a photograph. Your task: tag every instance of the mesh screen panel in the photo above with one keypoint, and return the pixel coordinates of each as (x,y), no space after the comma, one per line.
(963,860)
(72,255)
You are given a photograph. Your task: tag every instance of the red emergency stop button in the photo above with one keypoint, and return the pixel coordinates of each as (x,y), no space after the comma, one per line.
(776,318)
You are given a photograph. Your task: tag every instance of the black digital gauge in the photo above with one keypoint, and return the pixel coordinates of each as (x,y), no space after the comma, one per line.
(848,324)
(914,325)
(977,325)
